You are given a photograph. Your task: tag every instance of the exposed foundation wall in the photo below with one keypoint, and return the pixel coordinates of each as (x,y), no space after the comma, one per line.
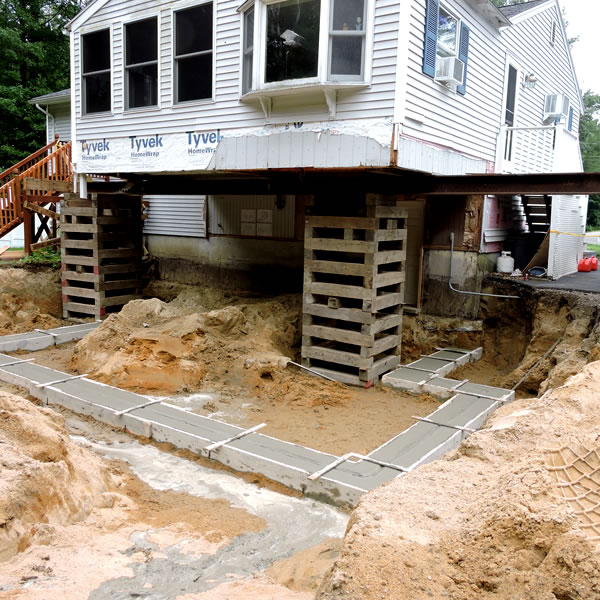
(468,271)
(253,264)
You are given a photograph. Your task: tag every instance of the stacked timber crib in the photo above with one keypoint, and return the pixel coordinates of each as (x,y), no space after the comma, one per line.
(354,273)
(101,251)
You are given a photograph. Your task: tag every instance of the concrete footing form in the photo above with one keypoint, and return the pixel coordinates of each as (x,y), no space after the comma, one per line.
(337,480)
(44,338)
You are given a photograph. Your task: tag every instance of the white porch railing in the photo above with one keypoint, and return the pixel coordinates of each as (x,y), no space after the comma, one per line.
(526,150)
(547,149)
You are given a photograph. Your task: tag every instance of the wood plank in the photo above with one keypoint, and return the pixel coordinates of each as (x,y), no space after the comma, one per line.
(69,259)
(354,315)
(124,284)
(384,344)
(386,257)
(379,368)
(78,228)
(340,245)
(390,235)
(337,290)
(382,324)
(80,244)
(338,335)
(388,300)
(337,267)
(391,212)
(119,253)
(77,292)
(74,276)
(47,185)
(393,278)
(341,376)
(41,210)
(336,357)
(45,244)
(342,222)
(88,309)
(73,211)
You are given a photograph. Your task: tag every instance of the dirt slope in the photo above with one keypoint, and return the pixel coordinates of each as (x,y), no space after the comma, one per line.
(45,479)
(29,300)
(201,336)
(490,519)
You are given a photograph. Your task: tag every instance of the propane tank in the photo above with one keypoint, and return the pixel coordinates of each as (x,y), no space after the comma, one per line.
(506,263)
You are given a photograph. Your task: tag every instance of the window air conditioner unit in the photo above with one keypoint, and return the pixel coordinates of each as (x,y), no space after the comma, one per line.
(450,70)
(556,106)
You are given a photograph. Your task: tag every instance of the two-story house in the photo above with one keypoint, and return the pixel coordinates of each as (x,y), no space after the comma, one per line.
(239,119)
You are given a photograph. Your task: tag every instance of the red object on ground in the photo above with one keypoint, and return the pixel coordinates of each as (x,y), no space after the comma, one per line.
(585,265)
(594,263)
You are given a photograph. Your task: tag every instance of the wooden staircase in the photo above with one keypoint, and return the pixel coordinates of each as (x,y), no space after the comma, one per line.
(31,184)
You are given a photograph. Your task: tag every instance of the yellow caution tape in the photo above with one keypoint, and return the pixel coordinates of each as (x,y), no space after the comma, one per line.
(574,234)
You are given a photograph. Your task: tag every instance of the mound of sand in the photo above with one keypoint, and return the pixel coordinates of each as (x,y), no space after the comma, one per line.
(513,513)
(199,337)
(29,300)
(45,479)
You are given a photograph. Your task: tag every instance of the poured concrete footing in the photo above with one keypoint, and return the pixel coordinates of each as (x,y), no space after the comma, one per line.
(44,338)
(343,480)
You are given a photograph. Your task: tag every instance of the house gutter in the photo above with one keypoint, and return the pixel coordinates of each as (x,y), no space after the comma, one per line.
(49,117)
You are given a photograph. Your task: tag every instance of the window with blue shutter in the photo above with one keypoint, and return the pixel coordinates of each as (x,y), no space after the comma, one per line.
(571,116)
(463,54)
(431,28)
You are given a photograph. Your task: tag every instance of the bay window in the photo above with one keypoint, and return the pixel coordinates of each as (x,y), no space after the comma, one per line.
(303,42)
(141,63)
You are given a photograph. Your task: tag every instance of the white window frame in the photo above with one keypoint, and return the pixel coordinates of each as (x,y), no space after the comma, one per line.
(125,68)
(83,109)
(519,83)
(323,70)
(174,76)
(457,40)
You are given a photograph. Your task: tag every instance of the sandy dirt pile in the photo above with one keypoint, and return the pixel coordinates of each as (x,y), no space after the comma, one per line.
(201,336)
(491,519)
(45,479)
(29,300)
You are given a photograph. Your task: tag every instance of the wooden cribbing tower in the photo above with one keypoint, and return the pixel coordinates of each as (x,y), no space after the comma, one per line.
(101,251)
(354,291)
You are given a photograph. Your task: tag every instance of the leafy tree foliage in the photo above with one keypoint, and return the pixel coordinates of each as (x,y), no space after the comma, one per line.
(589,138)
(34,54)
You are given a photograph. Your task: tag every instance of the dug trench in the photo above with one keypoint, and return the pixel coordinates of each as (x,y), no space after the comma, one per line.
(224,354)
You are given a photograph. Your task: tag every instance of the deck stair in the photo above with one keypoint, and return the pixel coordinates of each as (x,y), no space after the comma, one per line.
(27,187)
(538,210)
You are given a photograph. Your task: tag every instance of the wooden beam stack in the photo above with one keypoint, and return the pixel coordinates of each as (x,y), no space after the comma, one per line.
(354,291)
(101,251)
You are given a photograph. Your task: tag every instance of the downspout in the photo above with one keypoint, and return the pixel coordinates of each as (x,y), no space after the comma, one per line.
(49,118)
(469,293)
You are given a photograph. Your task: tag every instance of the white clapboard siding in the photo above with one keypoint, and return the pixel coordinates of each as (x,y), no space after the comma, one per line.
(225,111)
(530,41)
(468,124)
(176,215)
(565,251)
(60,124)
(226,217)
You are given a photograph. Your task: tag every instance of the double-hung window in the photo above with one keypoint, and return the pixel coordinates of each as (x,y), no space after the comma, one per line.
(96,71)
(194,53)
(347,40)
(446,48)
(303,42)
(141,63)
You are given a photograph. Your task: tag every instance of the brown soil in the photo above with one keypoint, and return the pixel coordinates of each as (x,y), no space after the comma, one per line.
(488,520)
(497,525)
(29,300)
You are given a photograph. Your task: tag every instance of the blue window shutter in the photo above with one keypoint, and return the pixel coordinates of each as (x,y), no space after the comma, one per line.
(431,28)
(463,54)
(571,115)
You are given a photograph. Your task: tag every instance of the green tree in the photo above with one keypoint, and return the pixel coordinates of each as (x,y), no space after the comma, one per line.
(589,139)
(34,54)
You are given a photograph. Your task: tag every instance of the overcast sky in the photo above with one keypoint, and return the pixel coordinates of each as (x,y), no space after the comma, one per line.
(583,17)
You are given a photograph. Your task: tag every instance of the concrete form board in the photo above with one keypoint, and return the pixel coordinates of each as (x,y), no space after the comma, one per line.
(276,459)
(38,340)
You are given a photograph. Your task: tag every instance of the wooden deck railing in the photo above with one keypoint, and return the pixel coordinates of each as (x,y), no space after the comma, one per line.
(55,166)
(26,163)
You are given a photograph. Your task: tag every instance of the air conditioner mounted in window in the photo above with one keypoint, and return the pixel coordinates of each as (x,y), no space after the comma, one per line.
(450,70)
(556,106)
